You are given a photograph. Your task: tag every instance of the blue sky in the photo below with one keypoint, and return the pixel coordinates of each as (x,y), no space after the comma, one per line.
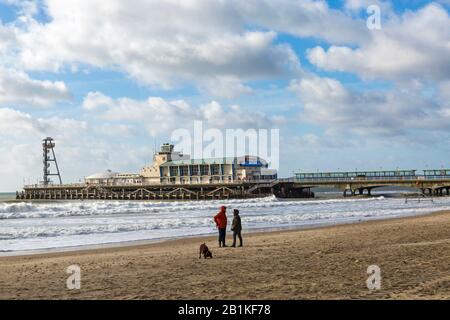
(108,80)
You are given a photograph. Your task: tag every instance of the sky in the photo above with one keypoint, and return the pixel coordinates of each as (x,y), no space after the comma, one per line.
(110,79)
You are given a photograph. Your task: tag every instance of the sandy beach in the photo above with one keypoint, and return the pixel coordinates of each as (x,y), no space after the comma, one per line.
(325,263)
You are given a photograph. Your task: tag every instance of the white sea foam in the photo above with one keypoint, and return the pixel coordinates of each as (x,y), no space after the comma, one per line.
(25,210)
(27,226)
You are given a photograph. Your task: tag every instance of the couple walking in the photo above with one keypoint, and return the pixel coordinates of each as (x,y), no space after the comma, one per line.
(221,222)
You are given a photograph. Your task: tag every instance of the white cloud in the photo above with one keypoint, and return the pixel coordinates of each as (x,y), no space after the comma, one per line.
(305,18)
(214,45)
(395,112)
(21,152)
(116,130)
(7,38)
(215,115)
(14,122)
(415,46)
(164,43)
(160,116)
(328,140)
(80,148)
(358,5)
(95,100)
(227,87)
(17,123)
(209,43)
(16,87)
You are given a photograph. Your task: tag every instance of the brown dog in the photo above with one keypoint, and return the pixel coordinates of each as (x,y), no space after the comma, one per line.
(204,250)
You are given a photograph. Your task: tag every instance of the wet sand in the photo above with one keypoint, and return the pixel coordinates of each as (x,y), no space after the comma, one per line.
(325,263)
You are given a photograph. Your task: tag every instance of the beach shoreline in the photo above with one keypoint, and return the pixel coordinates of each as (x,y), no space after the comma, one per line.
(198,237)
(320,263)
(72,226)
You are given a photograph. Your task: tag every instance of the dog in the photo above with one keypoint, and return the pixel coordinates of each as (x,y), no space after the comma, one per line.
(204,250)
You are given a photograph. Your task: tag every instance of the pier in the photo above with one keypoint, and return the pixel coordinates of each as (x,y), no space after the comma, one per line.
(429,182)
(162,192)
(296,187)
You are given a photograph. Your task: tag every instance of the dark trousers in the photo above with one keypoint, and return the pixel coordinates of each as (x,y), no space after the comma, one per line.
(222,235)
(237,234)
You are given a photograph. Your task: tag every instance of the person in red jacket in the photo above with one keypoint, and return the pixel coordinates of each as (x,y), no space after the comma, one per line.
(221,222)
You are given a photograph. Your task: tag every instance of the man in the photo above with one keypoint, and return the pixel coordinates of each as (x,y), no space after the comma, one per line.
(236,227)
(221,222)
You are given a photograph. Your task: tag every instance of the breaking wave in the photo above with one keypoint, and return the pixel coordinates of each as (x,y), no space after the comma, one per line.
(24,210)
(39,225)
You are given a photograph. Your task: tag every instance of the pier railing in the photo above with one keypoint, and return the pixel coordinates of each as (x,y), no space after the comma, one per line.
(323,180)
(51,186)
(85,185)
(365,179)
(287,187)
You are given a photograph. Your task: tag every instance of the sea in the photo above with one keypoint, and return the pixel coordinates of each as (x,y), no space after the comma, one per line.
(30,226)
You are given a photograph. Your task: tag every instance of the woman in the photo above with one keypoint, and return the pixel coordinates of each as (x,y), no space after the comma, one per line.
(236,227)
(221,222)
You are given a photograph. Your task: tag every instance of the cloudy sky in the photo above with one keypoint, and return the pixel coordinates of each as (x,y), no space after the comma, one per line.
(108,79)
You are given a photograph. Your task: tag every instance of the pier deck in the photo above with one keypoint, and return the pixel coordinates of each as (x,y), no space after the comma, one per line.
(155,192)
(283,188)
(437,186)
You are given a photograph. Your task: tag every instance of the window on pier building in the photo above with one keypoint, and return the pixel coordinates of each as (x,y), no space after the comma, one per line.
(194,170)
(184,171)
(215,169)
(173,171)
(227,169)
(204,170)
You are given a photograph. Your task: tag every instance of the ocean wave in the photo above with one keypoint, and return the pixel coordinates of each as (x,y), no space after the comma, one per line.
(27,210)
(100,227)
(28,226)
(200,220)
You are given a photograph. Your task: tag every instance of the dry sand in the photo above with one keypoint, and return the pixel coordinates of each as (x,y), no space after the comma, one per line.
(325,263)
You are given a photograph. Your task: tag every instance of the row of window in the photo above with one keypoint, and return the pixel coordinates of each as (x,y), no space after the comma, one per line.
(195,170)
(333,175)
(198,180)
(436,172)
(387,174)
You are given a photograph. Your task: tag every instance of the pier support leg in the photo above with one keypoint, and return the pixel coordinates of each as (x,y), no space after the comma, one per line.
(349,192)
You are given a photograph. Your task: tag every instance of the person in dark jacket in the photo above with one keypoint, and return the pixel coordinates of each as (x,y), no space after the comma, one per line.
(236,227)
(221,222)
